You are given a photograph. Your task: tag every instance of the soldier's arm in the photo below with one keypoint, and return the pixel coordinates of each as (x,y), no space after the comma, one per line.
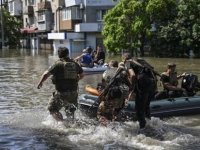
(171,87)
(81,75)
(132,76)
(80,71)
(43,78)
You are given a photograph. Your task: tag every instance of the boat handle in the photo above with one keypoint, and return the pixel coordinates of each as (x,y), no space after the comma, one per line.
(156,107)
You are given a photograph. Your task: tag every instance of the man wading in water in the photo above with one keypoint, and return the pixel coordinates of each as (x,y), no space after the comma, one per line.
(144,85)
(66,74)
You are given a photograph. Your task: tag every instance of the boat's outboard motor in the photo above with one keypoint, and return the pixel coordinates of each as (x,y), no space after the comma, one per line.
(190,84)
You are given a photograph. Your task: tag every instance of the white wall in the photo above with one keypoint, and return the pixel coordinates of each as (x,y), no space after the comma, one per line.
(91,2)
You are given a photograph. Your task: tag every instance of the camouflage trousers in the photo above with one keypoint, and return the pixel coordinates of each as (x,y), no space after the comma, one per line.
(62,99)
(110,107)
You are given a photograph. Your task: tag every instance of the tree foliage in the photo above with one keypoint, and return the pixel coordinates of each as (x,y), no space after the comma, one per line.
(182,33)
(128,24)
(12,27)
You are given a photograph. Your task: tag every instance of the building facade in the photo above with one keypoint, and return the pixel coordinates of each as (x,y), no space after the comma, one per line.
(49,24)
(79,24)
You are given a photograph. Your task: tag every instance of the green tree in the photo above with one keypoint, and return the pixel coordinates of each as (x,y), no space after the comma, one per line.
(128,24)
(12,27)
(188,24)
(182,33)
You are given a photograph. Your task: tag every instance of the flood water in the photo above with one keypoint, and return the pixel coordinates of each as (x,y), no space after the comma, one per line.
(25,123)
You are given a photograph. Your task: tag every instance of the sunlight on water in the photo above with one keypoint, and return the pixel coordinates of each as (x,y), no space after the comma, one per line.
(25,122)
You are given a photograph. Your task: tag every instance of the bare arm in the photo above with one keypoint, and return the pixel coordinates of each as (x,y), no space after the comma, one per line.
(44,77)
(131,75)
(78,57)
(81,76)
(171,87)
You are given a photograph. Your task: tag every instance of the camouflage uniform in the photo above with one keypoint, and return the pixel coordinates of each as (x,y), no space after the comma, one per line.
(65,77)
(172,80)
(114,99)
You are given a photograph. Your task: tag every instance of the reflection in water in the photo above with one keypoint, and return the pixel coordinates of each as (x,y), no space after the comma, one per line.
(25,122)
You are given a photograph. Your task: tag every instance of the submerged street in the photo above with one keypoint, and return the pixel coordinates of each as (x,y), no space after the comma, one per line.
(25,122)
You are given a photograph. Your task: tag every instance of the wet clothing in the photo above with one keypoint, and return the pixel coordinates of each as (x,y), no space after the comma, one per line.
(62,99)
(116,95)
(145,87)
(86,60)
(65,77)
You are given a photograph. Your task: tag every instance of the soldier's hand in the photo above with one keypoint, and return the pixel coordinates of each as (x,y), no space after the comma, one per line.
(39,85)
(126,102)
(183,74)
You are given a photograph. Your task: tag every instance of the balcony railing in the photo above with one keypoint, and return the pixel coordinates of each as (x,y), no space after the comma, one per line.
(89,27)
(44,6)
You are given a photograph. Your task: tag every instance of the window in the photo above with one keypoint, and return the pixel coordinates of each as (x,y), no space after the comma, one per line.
(100,14)
(66,14)
(11,6)
(76,13)
(41,16)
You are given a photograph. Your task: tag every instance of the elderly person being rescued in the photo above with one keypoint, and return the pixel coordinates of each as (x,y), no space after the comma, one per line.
(169,80)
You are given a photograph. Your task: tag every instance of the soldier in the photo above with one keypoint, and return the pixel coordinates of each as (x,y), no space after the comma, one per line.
(169,81)
(66,74)
(114,95)
(144,85)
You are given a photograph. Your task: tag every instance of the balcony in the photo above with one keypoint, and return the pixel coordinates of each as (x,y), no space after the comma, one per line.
(28,10)
(44,6)
(89,27)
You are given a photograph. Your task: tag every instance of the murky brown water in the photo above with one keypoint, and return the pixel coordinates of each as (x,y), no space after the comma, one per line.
(25,122)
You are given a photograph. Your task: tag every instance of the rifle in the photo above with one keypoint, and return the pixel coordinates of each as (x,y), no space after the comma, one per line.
(142,63)
(106,89)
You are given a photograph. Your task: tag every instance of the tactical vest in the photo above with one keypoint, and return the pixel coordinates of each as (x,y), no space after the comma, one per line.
(172,78)
(70,71)
(109,74)
(67,78)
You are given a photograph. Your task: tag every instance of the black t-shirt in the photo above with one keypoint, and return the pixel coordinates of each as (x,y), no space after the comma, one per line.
(57,70)
(101,55)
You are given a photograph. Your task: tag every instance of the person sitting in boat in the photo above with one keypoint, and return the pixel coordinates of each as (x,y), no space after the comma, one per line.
(85,59)
(114,95)
(169,81)
(99,56)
